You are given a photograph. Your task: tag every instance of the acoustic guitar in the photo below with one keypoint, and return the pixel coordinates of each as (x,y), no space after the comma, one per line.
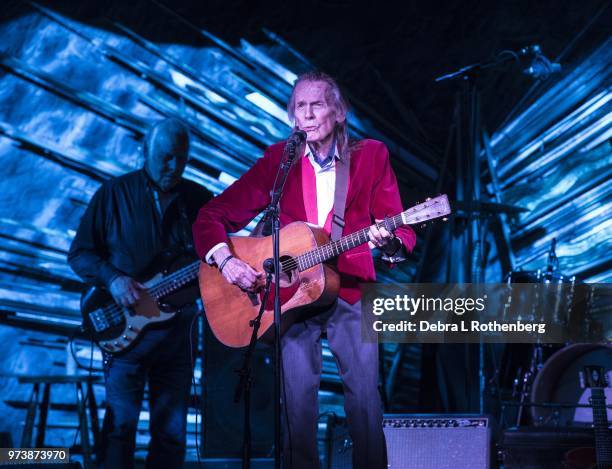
(307,282)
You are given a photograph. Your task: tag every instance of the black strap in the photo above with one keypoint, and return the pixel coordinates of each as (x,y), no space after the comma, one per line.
(342,175)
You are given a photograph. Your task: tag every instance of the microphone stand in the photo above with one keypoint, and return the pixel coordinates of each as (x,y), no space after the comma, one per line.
(468,182)
(540,66)
(272,213)
(246,378)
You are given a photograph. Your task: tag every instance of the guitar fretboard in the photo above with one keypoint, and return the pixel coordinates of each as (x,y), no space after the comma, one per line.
(175,280)
(432,208)
(113,315)
(335,248)
(603,445)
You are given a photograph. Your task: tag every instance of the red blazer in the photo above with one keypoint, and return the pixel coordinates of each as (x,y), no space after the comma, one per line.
(372,193)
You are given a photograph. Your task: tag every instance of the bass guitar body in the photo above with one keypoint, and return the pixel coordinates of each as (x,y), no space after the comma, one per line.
(116,328)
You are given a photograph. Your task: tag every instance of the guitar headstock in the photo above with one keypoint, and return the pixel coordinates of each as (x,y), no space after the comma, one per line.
(430,209)
(593,377)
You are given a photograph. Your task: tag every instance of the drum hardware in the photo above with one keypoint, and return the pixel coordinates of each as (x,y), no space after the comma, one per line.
(551,405)
(557,303)
(556,382)
(535,366)
(541,376)
(552,263)
(555,408)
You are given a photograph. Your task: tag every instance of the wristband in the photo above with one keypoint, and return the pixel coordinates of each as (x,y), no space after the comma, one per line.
(398,246)
(224,262)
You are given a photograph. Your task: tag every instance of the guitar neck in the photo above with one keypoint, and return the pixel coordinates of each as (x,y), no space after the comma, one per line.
(335,248)
(598,400)
(175,281)
(428,210)
(603,446)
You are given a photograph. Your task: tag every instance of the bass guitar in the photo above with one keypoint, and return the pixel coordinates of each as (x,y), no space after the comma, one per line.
(115,328)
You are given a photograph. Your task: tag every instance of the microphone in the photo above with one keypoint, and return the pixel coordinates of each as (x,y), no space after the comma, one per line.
(268,265)
(296,138)
(541,67)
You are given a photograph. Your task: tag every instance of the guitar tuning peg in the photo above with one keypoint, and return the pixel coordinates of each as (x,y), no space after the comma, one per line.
(445,219)
(427,199)
(423,225)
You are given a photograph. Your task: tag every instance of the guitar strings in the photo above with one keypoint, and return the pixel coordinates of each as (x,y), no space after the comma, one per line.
(326,251)
(114,312)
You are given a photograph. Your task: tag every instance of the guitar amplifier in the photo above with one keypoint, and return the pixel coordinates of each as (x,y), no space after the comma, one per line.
(419,441)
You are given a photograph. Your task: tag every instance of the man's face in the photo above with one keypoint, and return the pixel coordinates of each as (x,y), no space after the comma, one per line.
(312,112)
(166,160)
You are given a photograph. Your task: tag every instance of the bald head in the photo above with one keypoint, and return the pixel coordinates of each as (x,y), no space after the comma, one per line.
(166,149)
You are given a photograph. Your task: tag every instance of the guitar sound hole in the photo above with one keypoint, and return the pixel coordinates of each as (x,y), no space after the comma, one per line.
(287,277)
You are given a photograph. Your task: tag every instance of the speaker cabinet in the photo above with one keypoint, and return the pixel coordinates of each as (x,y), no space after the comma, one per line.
(535,448)
(422,442)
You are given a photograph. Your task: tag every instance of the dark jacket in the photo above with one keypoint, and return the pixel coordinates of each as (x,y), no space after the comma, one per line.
(122,232)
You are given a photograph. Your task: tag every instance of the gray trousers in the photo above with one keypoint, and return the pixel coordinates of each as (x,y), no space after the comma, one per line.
(358,366)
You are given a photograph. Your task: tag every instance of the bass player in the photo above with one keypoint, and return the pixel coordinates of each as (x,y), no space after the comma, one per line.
(129,223)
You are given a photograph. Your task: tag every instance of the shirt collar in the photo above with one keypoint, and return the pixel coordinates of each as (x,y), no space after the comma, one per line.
(308,153)
(173,193)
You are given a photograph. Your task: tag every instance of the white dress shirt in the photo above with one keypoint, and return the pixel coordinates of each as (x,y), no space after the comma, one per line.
(326,184)
(326,188)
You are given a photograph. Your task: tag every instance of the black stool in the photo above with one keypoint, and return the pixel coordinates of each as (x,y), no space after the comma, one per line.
(82,398)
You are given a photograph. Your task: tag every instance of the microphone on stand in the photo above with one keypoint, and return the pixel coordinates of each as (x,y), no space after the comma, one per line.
(296,138)
(540,67)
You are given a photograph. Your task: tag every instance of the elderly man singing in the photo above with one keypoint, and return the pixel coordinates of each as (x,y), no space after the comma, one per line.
(370,192)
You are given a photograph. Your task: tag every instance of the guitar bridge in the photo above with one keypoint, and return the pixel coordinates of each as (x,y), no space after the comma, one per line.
(99,321)
(102,320)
